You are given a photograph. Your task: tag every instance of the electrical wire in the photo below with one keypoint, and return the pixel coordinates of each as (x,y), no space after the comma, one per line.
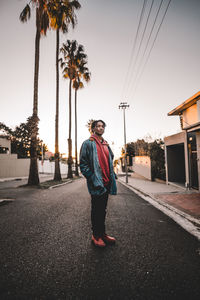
(141,41)
(147,44)
(134,46)
(146,61)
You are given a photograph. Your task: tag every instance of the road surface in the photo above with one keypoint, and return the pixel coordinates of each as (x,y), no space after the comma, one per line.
(46,250)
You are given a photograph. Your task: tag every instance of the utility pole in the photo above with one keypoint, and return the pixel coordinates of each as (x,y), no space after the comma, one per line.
(42,162)
(124,105)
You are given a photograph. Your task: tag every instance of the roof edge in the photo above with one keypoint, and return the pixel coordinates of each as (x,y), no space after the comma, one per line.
(176,111)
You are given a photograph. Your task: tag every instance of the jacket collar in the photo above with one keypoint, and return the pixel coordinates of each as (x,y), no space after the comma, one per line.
(94,138)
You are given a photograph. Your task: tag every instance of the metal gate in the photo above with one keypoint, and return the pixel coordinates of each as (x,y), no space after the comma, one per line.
(193,160)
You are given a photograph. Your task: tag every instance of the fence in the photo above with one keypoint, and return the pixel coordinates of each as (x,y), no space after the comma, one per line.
(142,166)
(11,166)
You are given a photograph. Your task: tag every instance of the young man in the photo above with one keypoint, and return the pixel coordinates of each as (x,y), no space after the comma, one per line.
(96,164)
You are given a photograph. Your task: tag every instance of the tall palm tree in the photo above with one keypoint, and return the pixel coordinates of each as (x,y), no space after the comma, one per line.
(69,70)
(42,24)
(62,14)
(74,68)
(82,72)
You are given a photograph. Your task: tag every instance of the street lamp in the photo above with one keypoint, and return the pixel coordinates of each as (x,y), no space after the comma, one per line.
(124,105)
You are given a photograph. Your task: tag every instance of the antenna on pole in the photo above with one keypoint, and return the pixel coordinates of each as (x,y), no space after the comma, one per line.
(124,105)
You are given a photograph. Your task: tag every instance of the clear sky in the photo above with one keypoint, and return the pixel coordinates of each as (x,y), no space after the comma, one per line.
(107,29)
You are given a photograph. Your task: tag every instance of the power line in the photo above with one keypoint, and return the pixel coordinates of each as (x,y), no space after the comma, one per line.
(147,44)
(134,45)
(141,41)
(146,61)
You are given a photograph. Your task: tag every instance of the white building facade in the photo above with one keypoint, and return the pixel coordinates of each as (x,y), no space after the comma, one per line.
(10,165)
(182,150)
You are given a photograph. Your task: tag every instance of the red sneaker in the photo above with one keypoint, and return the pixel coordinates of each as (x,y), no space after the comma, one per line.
(108,239)
(98,242)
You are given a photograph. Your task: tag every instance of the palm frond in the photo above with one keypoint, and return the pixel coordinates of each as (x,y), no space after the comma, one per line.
(87,76)
(81,85)
(66,70)
(63,64)
(75,4)
(62,13)
(25,14)
(44,22)
(66,75)
(74,62)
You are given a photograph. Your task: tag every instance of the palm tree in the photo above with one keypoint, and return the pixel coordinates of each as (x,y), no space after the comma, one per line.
(62,14)
(89,125)
(74,68)
(42,24)
(81,73)
(69,70)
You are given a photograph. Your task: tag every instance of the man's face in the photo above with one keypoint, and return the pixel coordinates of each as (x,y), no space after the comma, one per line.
(99,128)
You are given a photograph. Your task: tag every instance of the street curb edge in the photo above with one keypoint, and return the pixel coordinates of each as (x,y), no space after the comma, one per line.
(188,223)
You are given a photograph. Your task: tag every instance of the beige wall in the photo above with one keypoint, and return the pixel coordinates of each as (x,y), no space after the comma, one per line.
(142,166)
(10,166)
(198,110)
(190,116)
(177,138)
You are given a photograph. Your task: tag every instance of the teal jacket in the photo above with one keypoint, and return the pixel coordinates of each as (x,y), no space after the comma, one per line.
(90,168)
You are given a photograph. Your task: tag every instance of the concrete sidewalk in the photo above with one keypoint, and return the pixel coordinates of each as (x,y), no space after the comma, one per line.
(180,204)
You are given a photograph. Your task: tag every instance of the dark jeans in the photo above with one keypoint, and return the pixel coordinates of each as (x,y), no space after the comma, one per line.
(98,214)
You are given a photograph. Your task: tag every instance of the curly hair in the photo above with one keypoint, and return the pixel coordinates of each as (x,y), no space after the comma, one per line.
(94,123)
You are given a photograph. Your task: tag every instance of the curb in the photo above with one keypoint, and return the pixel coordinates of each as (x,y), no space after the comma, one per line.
(187,222)
(3,200)
(60,184)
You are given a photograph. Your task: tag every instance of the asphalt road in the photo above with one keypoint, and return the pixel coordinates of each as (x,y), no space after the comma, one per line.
(46,250)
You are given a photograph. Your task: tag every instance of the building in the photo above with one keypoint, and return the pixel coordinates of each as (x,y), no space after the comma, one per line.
(10,165)
(5,146)
(182,150)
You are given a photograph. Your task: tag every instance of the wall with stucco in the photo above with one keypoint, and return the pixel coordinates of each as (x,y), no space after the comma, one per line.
(190,116)
(142,166)
(11,166)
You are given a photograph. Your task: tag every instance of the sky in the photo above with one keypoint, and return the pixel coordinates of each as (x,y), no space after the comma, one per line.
(107,29)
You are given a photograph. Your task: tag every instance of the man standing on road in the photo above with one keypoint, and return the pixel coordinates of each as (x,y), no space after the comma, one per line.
(96,164)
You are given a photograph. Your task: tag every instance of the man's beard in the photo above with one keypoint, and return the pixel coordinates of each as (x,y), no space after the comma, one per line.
(99,134)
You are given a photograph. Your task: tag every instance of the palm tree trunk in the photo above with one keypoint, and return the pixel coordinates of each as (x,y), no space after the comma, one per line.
(70,160)
(33,171)
(57,175)
(76,155)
